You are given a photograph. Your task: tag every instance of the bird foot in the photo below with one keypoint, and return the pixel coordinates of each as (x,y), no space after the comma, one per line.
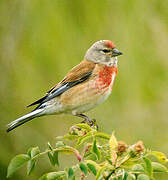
(91,122)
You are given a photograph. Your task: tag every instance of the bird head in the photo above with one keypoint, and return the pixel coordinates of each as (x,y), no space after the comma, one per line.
(103,52)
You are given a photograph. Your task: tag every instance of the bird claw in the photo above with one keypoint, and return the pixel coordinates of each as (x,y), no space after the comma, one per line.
(91,122)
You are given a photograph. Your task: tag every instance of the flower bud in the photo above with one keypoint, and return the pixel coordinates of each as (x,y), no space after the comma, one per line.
(139,147)
(122,147)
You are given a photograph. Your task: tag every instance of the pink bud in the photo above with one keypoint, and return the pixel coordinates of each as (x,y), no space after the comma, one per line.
(78,156)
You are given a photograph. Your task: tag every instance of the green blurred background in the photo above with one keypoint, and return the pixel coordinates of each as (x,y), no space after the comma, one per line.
(41,40)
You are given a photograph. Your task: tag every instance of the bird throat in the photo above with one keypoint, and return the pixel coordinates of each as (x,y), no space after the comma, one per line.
(107,75)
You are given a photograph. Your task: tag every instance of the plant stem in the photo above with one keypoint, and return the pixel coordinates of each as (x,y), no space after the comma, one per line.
(66,148)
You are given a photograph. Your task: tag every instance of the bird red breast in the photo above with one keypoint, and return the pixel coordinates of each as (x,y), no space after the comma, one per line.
(84,87)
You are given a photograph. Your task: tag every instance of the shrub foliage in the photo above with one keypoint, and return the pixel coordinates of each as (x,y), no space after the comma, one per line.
(98,154)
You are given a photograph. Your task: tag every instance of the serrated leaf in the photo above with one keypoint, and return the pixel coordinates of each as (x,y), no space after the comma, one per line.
(50,156)
(30,166)
(160,156)
(143,177)
(53,175)
(157,167)
(92,168)
(102,135)
(84,126)
(83,168)
(16,163)
(96,150)
(148,166)
(83,139)
(70,173)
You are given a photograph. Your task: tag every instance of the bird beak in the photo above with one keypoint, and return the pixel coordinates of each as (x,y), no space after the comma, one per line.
(116,52)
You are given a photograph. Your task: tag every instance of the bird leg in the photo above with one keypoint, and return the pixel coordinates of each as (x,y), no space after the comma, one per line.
(86,118)
(90,122)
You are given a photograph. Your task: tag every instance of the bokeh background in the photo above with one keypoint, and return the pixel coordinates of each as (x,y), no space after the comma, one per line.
(41,40)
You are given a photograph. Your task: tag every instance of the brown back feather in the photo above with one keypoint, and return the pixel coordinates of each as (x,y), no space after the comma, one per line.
(74,74)
(78,71)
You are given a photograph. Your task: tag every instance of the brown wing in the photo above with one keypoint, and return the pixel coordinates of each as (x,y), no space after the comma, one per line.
(78,71)
(75,76)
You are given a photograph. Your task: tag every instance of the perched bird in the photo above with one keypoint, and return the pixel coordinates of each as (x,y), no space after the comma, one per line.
(84,87)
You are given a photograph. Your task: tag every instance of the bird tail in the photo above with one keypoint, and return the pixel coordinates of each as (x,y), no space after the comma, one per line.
(18,122)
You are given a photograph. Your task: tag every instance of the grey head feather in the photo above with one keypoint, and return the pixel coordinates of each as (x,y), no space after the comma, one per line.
(95,54)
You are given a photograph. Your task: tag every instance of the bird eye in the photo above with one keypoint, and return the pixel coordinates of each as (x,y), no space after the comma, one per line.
(106,50)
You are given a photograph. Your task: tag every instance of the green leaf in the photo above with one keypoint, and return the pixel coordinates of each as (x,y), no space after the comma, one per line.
(34,151)
(16,163)
(113,142)
(143,177)
(50,147)
(96,150)
(59,138)
(102,135)
(29,152)
(131,177)
(92,168)
(55,156)
(83,139)
(83,168)
(70,173)
(60,144)
(50,156)
(91,156)
(54,176)
(148,166)
(30,166)
(157,167)
(70,137)
(130,163)
(69,149)
(84,126)
(100,171)
(138,168)
(161,157)
(125,176)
